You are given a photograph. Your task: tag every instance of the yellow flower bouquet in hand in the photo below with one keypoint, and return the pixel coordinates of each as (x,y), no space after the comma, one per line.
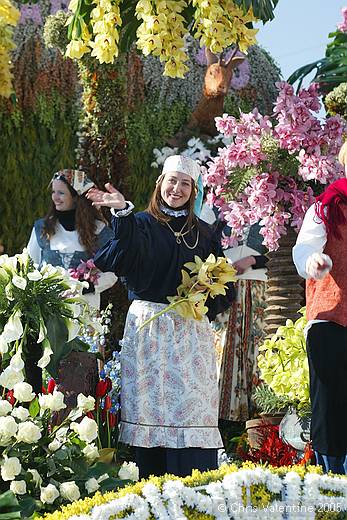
(204,279)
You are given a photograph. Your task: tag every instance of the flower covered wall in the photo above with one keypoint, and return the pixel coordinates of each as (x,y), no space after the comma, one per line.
(38,125)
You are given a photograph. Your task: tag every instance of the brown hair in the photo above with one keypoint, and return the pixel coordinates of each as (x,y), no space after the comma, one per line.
(156,201)
(85,221)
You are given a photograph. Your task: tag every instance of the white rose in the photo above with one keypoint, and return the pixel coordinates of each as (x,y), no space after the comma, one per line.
(18,487)
(87,404)
(87,429)
(8,429)
(53,402)
(23,392)
(49,494)
(36,477)
(129,471)
(54,445)
(91,485)
(44,402)
(57,401)
(16,362)
(5,407)
(35,276)
(70,491)
(91,452)
(13,329)
(10,377)
(19,282)
(20,413)
(28,432)
(10,468)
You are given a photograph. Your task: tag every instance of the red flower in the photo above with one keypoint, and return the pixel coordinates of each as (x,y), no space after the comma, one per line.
(103,386)
(10,397)
(108,402)
(51,385)
(112,419)
(308,455)
(90,415)
(43,390)
(272,449)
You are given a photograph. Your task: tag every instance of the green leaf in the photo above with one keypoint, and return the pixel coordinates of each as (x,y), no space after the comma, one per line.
(110,484)
(9,506)
(28,506)
(34,408)
(57,334)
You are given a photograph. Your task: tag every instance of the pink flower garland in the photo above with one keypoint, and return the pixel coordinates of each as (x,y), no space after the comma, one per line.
(271,197)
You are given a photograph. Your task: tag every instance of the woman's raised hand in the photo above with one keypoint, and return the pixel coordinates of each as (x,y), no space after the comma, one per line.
(111,198)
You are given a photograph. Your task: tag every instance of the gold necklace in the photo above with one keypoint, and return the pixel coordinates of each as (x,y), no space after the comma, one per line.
(180,235)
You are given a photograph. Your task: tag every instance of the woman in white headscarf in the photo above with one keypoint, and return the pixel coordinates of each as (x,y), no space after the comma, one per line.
(169,382)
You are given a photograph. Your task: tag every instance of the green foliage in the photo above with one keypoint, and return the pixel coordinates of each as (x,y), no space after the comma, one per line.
(283,363)
(330,70)
(268,402)
(336,101)
(148,127)
(32,147)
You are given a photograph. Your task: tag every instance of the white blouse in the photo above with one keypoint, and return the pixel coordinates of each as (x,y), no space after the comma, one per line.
(68,242)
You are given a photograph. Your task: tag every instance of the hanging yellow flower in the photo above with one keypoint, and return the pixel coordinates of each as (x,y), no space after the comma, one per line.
(162,28)
(94,28)
(161,33)
(9,17)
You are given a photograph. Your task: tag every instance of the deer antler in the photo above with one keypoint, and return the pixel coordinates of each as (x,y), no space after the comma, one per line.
(210,56)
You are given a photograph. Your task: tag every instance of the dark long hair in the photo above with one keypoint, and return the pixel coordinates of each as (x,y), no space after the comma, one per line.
(86,218)
(156,201)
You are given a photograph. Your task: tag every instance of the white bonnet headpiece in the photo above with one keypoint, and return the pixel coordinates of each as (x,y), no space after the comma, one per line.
(182,164)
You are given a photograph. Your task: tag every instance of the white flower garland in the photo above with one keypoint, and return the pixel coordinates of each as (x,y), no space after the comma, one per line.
(300,499)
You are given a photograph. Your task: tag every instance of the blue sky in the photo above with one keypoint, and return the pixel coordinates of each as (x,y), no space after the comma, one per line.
(299,33)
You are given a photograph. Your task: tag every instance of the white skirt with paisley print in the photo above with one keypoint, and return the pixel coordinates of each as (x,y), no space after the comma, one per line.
(169,395)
